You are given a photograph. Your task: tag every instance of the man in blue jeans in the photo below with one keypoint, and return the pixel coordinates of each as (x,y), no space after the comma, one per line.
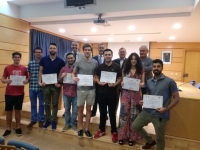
(35,91)
(69,94)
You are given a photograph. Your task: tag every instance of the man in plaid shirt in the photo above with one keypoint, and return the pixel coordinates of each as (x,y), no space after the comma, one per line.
(35,91)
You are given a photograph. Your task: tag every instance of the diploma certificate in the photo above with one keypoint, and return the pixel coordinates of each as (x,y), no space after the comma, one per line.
(49,78)
(108,77)
(68,79)
(152,101)
(131,84)
(17,80)
(85,80)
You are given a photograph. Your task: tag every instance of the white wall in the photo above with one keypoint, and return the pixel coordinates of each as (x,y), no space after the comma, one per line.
(9,9)
(129,46)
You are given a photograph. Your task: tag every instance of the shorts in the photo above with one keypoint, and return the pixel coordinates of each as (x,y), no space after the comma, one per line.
(87,97)
(13,102)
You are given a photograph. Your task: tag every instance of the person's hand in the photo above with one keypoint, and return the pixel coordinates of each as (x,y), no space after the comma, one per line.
(94,80)
(42,84)
(58,85)
(111,84)
(75,79)
(63,75)
(140,85)
(141,102)
(122,83)
(102,83)
(25,81)
(161,110)
(8,81)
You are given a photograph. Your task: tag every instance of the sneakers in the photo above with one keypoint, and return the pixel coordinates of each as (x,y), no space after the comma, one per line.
(18,132)
(80,133)
(40,124)
(53,125)
(65,128)
(88,134)
(6,133)
(46,125)
(99,134)
(149,145)
(74,128)
(114,137)
(30,125)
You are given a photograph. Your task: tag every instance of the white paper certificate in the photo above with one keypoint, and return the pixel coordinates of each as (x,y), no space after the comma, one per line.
(152,101)
(49,78)
(131,84)
(68,79)
(85,80)
(17,80)
(108,77)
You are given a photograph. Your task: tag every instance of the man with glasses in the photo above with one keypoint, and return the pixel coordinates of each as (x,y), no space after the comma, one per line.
(35,91)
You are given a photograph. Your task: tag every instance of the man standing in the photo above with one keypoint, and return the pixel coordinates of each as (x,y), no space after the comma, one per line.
(14,94)
(35,91)
(107,93)
(159,85)
(85,66)
(69,94)
(121,62)
(50,64)
(100,59)
(147,65)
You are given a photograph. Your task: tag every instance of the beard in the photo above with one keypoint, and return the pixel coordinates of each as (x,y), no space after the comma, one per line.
(52,53)
(157,72)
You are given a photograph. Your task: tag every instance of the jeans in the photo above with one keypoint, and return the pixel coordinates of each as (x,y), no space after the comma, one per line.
(70,118)
(33,98)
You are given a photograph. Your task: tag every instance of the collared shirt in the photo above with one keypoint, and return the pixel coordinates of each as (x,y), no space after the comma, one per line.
(121,62)
(33,69)
(101,59)
(164,86)
(68,89)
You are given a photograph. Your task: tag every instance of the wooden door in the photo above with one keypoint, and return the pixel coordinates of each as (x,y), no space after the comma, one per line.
(192,66)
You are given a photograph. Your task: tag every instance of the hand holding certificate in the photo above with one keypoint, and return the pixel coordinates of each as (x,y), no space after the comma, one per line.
(17,80)
(68,79)
(131,84)
(49,78)
(108,77)
(85,80)
(152,101)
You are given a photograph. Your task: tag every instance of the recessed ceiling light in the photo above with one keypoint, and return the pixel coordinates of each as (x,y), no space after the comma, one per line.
(172,37)
(85,39)
(177,26)
(93,29)
(110,39)
(131,28)
(139,38)
(61,30)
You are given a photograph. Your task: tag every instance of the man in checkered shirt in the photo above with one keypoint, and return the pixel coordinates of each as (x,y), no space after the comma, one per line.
(35,91)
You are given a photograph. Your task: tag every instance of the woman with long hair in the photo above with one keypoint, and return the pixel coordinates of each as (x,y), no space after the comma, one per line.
(130,100)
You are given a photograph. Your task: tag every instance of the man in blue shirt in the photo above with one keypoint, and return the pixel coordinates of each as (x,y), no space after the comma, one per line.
(159,85)
(35,91)
(50,64)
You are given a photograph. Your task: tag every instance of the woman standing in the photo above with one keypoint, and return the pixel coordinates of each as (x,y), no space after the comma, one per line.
(130,100)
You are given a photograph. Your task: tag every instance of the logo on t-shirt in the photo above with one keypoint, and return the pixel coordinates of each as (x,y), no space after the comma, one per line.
(17,72)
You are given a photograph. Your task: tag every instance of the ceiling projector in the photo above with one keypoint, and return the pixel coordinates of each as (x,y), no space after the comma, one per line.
(99,20)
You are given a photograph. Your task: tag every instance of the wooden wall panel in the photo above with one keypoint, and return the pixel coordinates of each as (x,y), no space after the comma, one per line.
(14,47)
(13,36)
(174,45)
(176,75)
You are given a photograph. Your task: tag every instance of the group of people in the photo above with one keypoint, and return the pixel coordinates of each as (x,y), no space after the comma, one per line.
(132,117)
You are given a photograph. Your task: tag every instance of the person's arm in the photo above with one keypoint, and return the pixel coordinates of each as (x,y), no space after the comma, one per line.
(142,80)
(4,78)
(122,83)
(62,74)
(149,66)
(40,77)
(27,77)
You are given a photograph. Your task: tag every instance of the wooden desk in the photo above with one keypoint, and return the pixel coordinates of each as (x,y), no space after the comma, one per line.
(185,116)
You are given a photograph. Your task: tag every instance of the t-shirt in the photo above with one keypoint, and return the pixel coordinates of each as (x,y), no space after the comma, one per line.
(87,68)
(18,71)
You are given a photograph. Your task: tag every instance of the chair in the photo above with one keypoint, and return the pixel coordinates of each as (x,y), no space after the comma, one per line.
(2,141)
(6,147)
(20,144)
(197,85)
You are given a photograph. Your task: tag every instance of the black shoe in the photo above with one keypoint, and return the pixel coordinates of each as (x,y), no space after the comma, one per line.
(93,115)
(121,142)
(149,145)
(84,115)
(88,134)
(80,133)
(130,143)
(6,133)
(18,132)
(30,125)
(106,117)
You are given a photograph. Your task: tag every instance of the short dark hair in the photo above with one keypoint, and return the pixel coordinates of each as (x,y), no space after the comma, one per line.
(53,44)
(16,53)
(87,45)
(158,61)
(37,48)
(108,50)
(70,54)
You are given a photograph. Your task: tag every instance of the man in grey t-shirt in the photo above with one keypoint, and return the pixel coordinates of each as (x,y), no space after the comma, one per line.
(85,94)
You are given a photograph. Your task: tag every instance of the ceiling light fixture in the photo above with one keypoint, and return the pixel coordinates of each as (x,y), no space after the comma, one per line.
(139,38)
(85,39)
(110,39)
(62,30)
(93,29)
(131,28)
(172,37)
(177,26)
